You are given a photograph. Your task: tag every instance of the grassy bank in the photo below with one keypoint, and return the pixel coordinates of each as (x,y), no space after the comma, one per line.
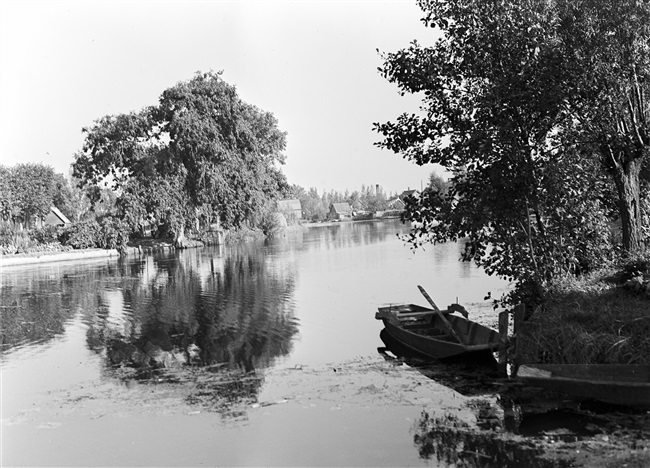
(602,318)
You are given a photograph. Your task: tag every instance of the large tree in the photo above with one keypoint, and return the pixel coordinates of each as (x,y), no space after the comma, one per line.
(201,152)
(26,191)
(495,113)
(606,47)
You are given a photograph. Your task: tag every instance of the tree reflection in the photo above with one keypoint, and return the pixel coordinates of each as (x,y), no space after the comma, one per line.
(455,442)
(201,318)
(37,302)
(198,317)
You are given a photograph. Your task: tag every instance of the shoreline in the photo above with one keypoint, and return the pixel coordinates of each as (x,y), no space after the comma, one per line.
(34,258)
(49,257)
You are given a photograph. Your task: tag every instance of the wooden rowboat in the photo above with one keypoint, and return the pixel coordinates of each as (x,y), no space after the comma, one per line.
(619,384)
(424,331)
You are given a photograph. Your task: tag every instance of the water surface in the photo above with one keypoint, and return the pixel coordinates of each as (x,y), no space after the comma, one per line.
(256,354)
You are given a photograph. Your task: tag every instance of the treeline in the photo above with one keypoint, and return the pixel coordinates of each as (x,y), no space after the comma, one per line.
(315,206)
(369,198)
(27,194)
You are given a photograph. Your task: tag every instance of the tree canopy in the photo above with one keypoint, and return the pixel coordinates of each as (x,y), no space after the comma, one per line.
(202,152)
(538,110)
(26,191)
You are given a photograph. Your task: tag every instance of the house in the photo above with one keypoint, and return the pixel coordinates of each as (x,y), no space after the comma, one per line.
(53,218)
(340,211)
(408,193)
(291,209)
(395,204)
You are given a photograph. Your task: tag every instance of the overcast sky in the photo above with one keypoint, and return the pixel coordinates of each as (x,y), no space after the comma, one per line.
(311,63)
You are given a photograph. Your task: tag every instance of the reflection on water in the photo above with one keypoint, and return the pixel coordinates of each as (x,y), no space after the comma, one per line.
(201,309)
(205,325)
(198,307)
(453,441)
(510,425)
(229,315)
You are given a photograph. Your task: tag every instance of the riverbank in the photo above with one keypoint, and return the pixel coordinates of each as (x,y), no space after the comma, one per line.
(48,257)
(136,247)
(603,318)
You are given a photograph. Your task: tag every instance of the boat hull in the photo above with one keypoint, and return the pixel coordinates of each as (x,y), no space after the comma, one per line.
(627,385)
(409,325)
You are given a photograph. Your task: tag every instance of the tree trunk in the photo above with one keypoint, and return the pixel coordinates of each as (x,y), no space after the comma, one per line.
(626,177)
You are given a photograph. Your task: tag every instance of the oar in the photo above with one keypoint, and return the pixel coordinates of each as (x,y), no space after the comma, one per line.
(441,315)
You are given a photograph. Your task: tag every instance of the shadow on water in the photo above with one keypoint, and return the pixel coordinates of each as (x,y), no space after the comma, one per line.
(511,425)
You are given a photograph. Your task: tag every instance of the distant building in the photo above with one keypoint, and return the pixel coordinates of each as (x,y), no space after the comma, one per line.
(291,209)
(395,204)
(407,193)
(340,211)
(55,218)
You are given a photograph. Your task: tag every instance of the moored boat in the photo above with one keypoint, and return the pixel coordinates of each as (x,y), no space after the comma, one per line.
(437,333)
(621,384)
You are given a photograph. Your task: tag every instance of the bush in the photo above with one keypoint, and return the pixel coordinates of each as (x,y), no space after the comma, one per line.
(82,235)
(48,234)
(7,235)
(105,233)
(113,233)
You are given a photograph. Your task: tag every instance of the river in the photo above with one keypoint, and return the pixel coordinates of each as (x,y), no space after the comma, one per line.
(259,354)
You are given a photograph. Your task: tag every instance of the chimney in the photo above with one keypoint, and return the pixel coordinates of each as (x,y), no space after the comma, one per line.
(377,189)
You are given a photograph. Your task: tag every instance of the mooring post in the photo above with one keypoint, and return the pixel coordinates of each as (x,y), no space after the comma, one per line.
(503,343)
(527,335)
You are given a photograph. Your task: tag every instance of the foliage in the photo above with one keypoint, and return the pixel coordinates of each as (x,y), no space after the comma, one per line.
(6,203)
(13,241)
(78,203)
(45,235)
(437,183)
(26,191)
(81,235)
(315,207)
(201,148)
(525,189)
(7,234)
(102,233)
(592,321)
(113,233)
(606,51)
(160,201)
(271,223)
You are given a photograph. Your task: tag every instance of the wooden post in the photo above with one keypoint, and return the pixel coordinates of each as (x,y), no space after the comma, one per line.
(526,338)
(503,343)
(518,312)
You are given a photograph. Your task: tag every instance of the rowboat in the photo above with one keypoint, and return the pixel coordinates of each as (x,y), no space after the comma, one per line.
(621,384)
(436,333)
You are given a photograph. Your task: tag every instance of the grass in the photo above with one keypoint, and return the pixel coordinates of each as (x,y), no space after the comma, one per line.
(597,319)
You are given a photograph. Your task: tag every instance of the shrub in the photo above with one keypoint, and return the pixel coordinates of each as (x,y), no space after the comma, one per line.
(113,233)
(104,233)
(7,235)
(82,235)
(48,234)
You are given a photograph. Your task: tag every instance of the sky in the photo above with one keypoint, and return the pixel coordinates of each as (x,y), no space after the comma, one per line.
(313,64)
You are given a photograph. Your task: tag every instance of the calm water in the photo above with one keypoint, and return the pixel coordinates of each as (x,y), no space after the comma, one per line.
(223,356)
